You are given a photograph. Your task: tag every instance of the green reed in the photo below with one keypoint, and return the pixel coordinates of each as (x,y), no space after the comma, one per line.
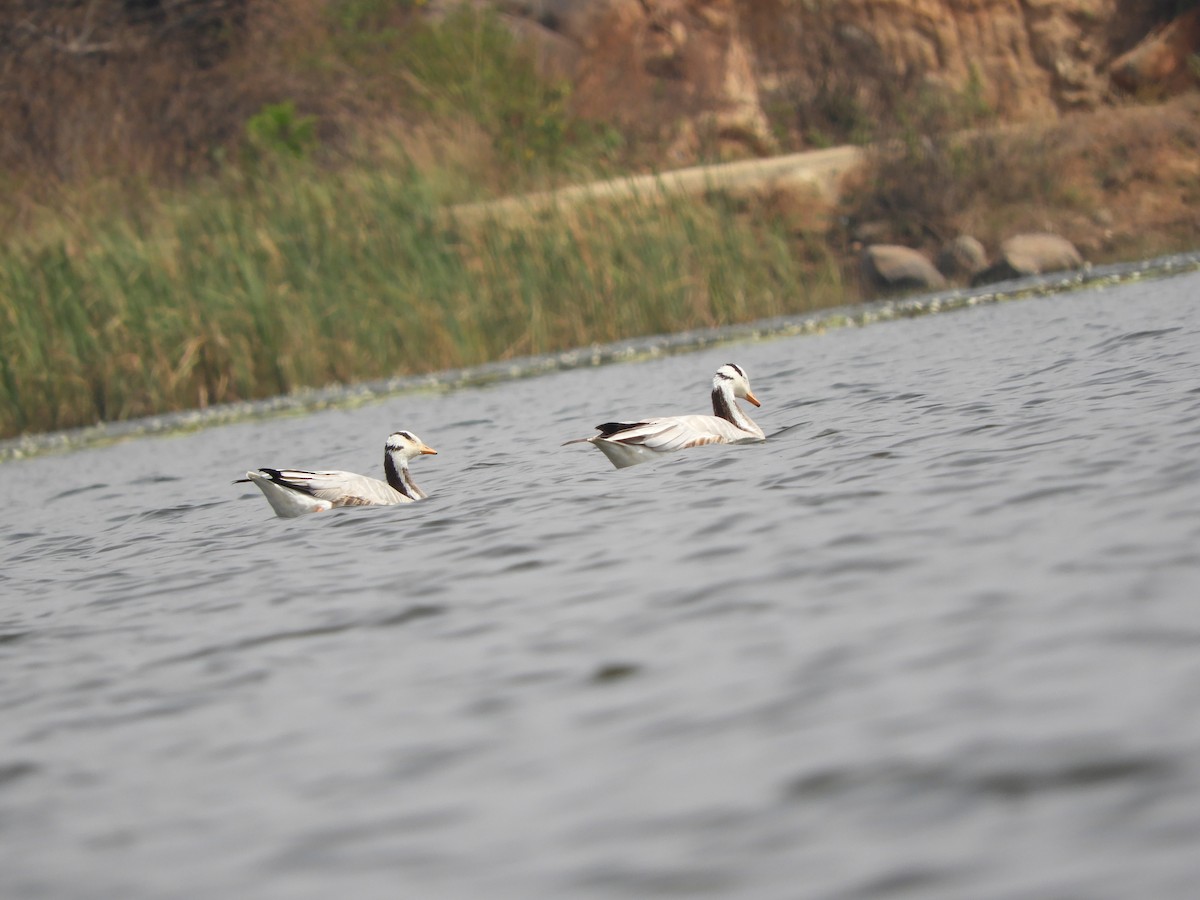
(263,285)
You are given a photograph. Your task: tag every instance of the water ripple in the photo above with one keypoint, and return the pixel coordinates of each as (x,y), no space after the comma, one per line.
(403,617)
(936,637)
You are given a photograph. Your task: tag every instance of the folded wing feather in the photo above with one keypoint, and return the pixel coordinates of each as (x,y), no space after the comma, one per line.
(341,488)
(679,433)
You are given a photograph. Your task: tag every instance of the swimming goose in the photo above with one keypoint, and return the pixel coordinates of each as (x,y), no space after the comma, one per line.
(630,443)
(294,492)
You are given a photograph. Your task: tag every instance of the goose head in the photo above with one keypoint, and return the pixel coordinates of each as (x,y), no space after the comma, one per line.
(404,445)
(731,377)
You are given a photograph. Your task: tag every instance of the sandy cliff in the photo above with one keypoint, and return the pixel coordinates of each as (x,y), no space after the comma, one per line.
(688,69)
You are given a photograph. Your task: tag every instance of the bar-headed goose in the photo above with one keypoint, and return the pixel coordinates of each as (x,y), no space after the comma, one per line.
(630,443)
(294,492)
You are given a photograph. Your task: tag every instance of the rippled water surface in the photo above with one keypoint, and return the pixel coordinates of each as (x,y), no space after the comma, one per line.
(939,637)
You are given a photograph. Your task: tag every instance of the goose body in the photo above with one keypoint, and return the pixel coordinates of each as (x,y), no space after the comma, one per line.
(294,492)
(630,443)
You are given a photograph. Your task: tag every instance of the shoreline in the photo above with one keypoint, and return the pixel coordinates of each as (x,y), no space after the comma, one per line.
(631,350)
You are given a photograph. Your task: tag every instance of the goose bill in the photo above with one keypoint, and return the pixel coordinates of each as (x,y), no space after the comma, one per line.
(752,399)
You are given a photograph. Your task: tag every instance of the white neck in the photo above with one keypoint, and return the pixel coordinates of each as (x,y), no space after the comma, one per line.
(395,467)
(725,406)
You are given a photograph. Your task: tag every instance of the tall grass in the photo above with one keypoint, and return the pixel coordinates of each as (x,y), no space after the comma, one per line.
(265,284)
(296,234)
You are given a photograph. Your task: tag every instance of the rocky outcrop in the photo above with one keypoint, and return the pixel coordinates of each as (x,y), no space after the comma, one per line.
(892,267)
(702,72)
(1162,63)
(962,257)
(1030,254)
(1025,58)
(681,69)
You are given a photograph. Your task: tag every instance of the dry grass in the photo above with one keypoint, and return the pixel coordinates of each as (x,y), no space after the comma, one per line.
(308,278)
(229,199)
(123,94)
(1120,183)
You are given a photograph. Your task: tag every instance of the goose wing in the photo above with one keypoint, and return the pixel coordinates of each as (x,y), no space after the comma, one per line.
(672,433)
(339,488)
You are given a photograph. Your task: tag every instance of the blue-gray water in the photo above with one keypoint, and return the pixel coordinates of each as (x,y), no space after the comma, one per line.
(939,638)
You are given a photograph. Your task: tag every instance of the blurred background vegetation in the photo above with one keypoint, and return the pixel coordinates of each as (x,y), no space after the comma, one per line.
(205,201)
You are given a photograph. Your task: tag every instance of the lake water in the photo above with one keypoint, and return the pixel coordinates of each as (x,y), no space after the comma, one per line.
(939,637)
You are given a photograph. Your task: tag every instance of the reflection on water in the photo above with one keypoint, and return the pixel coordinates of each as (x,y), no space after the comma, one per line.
(937,637)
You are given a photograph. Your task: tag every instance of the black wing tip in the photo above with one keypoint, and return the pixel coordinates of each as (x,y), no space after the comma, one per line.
(274,474)
(608,429)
